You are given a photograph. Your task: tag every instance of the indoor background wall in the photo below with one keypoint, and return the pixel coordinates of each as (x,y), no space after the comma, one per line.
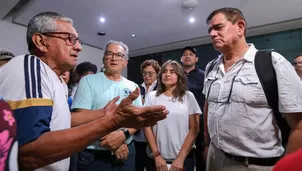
(288,43)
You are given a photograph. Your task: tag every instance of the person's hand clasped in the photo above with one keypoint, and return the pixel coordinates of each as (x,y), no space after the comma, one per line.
(177,165)
(113,140)
(122,152)
(160,164)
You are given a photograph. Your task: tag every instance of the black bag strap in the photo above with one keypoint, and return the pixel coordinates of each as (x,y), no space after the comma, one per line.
(212,64)
(267,76)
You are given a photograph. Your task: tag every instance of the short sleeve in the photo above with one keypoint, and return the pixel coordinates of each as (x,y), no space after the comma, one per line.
(83,95)
(289,85)
(193,106)
(27,88)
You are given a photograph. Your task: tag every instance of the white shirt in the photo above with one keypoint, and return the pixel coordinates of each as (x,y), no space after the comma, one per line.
(39,101)
(171,132)
(151,88)
(139,136)
(243,127)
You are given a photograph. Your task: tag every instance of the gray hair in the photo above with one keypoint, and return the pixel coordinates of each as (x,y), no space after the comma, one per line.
(125,47)
(42,23)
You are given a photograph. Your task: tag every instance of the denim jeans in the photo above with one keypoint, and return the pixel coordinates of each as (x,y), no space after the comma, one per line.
(103,161)
(74,162)
(141,157)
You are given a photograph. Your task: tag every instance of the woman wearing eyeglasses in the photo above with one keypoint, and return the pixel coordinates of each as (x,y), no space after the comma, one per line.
(149,69)
(171,140)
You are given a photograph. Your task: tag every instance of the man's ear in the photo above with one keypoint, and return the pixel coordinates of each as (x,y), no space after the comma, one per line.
(196,59)
(40,42)
(182,59)
(241,27)
(125,63)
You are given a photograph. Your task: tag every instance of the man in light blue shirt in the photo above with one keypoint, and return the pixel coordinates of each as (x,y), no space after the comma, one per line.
(116,150)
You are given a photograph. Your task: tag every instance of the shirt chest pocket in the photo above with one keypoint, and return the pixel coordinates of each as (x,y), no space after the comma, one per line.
(212,87)
(248,90)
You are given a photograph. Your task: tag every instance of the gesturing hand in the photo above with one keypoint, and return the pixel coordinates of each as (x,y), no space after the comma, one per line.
(129,116)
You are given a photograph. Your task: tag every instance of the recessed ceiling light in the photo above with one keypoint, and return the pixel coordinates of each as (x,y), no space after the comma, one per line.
(102,19)
(133,35)
(101,33)
(192,20)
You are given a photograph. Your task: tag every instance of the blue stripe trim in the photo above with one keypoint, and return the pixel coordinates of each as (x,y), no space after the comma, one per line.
(32,123)
(39,78)
(33,77)
(26,75)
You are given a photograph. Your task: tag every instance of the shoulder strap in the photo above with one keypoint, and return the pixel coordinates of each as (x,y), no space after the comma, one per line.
(267,76)
(212,64)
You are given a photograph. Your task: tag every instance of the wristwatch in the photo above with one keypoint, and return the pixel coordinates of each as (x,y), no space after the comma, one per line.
(126,133)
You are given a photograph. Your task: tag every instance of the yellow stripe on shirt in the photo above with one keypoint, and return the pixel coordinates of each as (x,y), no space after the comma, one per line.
(29,103)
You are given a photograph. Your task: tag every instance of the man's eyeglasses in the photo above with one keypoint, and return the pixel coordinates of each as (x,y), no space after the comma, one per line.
(150,74)
(110,55)
(70,40)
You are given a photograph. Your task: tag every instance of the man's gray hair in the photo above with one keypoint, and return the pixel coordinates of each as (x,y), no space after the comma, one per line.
(125,47)
(42,23)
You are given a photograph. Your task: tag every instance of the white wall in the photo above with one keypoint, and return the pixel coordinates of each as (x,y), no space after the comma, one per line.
(13,39)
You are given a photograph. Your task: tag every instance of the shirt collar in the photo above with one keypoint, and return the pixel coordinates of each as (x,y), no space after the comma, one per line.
(151,86)
(194,70)
(249,54)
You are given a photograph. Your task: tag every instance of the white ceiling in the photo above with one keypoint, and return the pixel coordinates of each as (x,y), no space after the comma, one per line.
(6,6)
(156,23)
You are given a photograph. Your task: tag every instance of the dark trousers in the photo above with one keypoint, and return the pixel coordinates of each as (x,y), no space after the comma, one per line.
(74,162)
(188,164)
(96,160)
(199,160)
(141,158)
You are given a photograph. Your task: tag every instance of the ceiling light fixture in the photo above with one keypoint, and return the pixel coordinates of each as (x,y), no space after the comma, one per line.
(133,35)
(192,20)
(190,4)
(101,33)
(102,20)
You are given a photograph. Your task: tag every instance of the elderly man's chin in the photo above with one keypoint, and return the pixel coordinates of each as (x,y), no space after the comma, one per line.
(73,62)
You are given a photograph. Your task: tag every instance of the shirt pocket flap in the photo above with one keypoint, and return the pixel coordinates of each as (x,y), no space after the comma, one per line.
(247,80)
